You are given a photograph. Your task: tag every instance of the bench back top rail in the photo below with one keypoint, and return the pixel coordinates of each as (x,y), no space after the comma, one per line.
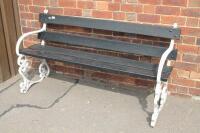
(117,26)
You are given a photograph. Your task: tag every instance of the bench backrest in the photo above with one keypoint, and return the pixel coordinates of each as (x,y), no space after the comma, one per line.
(142,29)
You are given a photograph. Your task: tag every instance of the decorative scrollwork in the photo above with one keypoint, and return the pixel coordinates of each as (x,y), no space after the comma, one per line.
(44,69)
(23,68)
(159,100)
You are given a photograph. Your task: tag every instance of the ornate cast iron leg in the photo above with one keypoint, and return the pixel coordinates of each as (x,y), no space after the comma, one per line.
(159,100)
(156,104)
(163,96)
(23,67)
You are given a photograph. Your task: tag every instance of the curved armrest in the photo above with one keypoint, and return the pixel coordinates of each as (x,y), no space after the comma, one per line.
(26,35)
(163,60)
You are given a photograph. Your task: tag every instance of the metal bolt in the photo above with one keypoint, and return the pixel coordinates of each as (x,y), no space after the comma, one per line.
(52,17)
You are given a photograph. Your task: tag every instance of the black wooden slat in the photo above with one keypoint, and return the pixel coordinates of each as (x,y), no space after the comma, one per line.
(90,63)
(93,56)
(111,64)
(114,45)
(143,29)
(102,58)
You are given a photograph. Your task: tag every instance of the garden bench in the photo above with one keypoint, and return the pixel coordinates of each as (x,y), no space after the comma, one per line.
(118,65)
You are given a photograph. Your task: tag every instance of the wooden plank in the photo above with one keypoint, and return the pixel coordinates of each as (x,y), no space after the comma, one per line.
(100,43)
(93,56)
(102,58)
(95,61)
(142,29)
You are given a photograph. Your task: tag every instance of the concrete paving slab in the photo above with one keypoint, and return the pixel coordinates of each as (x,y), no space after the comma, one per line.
(61,105)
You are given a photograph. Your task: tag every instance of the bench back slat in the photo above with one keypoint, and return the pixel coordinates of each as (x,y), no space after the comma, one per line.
(106,44)
(142,29)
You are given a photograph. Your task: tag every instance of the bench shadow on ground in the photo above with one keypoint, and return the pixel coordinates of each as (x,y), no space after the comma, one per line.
(140,94)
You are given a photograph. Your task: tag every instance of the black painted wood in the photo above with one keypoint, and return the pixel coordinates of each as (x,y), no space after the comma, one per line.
(95,61)
(107,44)
(143,29)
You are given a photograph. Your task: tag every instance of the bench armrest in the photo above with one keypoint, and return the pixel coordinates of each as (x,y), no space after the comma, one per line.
(26,35)
(164,58)
(19,41)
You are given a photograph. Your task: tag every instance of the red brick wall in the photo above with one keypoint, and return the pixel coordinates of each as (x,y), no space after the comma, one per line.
(185,78)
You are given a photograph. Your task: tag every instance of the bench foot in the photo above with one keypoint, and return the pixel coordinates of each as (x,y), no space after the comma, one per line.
(23,67)
(159,101)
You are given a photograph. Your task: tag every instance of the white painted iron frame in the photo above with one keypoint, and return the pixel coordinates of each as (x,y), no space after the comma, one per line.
(24,63)
(161,87)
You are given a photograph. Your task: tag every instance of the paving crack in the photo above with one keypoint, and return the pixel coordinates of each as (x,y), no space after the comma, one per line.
(17,106)
(6,88)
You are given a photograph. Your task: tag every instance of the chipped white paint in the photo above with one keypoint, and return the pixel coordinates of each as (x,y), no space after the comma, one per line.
(161,87)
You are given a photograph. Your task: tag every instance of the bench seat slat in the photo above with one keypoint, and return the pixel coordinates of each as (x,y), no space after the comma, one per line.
(92,60)
(143,29)
(100,43)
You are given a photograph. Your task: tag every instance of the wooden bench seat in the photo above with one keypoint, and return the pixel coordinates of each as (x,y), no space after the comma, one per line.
(96,61)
